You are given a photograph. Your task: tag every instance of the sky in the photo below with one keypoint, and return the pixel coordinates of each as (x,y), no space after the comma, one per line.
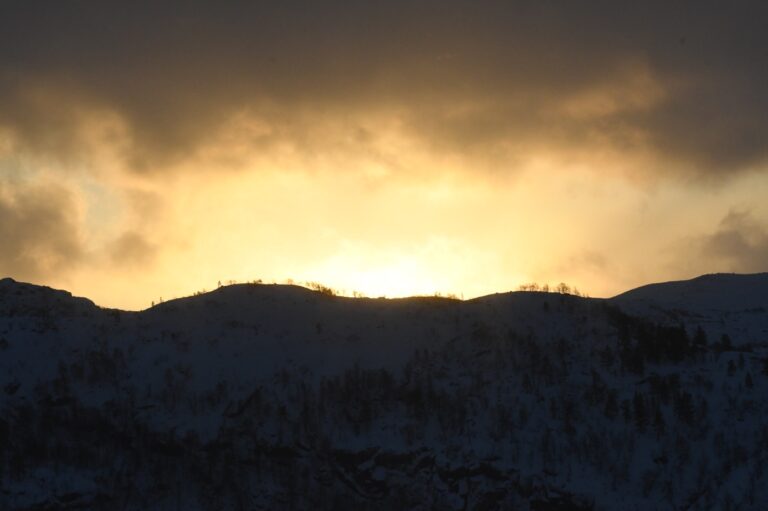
(150,150)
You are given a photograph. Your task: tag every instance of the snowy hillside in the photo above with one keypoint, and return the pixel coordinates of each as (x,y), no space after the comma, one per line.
(278,397)
(732,304)
(724,292)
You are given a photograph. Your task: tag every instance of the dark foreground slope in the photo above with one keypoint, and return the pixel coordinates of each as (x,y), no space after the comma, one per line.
(277,397)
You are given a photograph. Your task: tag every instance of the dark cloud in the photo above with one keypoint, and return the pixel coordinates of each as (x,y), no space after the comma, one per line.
(684,80)
(131,249)
(740,243)
(38,232)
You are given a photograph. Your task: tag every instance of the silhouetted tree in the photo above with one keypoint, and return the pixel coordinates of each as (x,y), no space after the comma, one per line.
(684,408)
(640,411)
(659,426)
(611,405)
(700,337)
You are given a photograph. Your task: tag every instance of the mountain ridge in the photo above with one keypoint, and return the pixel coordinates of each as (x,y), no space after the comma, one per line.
(644,292)
(281,397)
(707,285)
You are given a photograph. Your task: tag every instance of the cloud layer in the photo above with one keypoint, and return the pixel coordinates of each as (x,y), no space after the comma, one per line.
(39,232)
(740,243)
(680,82)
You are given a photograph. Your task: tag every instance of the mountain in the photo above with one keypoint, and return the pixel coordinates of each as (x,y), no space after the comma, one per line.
(724,292)
(278,397)
(721,304)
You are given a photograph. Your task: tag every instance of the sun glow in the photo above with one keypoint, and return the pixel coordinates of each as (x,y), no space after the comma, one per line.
(404,277)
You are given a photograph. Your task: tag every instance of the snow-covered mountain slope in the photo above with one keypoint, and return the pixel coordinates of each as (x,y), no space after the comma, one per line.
(732,304)
(278,397)
(723,292)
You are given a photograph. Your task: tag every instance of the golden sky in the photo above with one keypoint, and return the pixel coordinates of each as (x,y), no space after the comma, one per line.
(391,148)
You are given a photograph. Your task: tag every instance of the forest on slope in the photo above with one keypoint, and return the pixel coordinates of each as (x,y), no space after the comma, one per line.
(278,397)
